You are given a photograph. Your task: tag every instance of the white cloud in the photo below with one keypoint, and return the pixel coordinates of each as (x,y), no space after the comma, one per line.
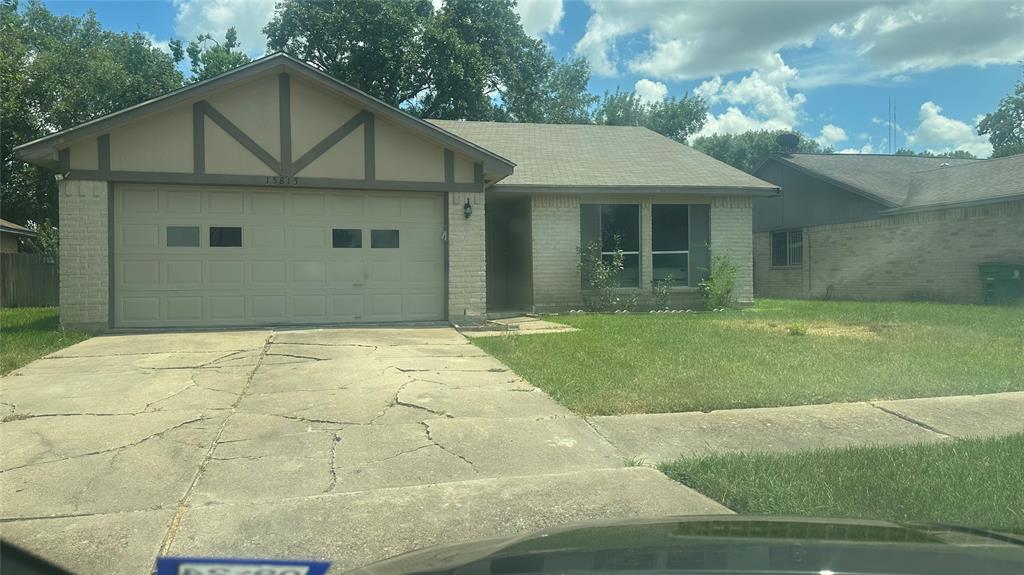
(540,17)
(163,45)
(758,101)
(865,149)
(214,17)
(938,133)
(649,91)
(864,41)
(831,135)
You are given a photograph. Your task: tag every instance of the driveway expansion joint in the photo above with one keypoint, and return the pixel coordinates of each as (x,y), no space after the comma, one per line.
(909,419)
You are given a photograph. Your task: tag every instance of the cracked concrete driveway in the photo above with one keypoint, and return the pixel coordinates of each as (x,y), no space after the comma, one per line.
(350,445)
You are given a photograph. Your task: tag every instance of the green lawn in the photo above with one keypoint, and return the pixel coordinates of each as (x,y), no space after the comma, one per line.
(972,482)
(653,363)
(28,333)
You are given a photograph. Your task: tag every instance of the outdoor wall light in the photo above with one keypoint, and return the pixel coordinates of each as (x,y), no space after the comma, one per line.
(467,209)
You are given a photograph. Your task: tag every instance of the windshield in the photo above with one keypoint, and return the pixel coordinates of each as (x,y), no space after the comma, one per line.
(295,287)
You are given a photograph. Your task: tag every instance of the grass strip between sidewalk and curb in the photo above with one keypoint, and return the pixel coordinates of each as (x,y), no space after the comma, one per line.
(972,482)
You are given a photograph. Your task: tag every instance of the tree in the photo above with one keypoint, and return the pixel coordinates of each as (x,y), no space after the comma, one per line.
(207,61)
(470,59)
(676,118)
(956,154)
(1005,126)
(748,149)
(56,72)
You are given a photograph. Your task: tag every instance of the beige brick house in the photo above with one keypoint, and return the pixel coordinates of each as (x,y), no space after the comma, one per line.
(876,227)
(276,195)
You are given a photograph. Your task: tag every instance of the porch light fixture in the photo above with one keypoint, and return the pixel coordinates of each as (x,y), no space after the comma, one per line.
(467,209)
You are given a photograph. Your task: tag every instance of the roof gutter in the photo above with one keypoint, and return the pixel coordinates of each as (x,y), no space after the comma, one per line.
(635,190)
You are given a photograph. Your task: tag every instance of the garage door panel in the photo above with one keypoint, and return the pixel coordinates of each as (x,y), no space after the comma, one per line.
(184,308)
(227,308)
(287,269)
(226,272)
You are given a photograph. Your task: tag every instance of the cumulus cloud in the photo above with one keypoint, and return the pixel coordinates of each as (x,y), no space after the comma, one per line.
(831,135)
(938,133)
(649,91)
(866,41)
(759,101)
(540,17)
(865,149)
(214,17)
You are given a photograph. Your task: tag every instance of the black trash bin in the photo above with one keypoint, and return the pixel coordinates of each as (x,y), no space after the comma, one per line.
(1001,284)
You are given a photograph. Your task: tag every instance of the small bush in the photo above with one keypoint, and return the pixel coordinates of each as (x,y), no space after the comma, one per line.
(662,291)
(601,278)
(717,288)
(796,329)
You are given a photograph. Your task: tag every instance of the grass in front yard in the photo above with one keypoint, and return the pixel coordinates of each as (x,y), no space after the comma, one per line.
(28,333)
(777,353)
(972,482)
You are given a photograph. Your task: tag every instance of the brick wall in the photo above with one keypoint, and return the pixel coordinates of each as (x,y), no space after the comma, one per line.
(84,268)
(556,241)
(467,257)
(927,255)
(555,222)
(732,235)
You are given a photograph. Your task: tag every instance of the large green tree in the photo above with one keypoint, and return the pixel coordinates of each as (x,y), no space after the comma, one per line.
(470,59)
(209,57)
(676,118)
(56,72)
(747,150)
(1005,126)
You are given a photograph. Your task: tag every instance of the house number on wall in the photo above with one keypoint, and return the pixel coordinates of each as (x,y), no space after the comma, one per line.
(282,181)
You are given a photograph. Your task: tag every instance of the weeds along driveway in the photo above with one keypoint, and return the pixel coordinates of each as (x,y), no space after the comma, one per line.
(349,445)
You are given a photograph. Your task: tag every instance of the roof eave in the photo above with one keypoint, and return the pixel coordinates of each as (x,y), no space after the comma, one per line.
(947,205)
(641,189)
(838,183)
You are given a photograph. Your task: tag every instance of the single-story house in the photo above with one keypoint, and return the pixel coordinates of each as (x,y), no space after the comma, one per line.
(11,235)
(274,194)
(877,227)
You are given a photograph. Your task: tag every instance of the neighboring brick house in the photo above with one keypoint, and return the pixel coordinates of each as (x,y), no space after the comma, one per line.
(274,194)
(874,227)
(11,235)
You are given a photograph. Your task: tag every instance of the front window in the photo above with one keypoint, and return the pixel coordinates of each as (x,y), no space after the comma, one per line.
(616,227)
(670,242)
(788,248)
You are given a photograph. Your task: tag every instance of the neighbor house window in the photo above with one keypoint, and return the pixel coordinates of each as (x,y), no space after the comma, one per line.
(183,236)
(383,238)
(615,227)
(225,237)
(344,238)
(670,242)
(788,248)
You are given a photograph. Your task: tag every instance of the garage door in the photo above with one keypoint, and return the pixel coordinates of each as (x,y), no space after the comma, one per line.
(191,256)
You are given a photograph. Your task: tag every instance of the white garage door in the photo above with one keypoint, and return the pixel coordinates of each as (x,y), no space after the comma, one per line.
(191,256)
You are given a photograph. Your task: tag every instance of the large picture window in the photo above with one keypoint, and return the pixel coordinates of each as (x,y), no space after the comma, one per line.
(670,242)
(788,248)
(616,227)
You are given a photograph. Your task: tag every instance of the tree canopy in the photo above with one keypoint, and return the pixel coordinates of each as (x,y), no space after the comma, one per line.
(748,149)
(957,154)
(56,72)
(208,57)
(1005,126)
(676,118)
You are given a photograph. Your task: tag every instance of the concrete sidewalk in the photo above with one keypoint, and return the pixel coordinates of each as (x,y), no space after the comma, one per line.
(663,437)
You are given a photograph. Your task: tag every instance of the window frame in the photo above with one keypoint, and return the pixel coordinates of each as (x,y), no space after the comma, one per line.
(640,239)
(789,245)
(686,280)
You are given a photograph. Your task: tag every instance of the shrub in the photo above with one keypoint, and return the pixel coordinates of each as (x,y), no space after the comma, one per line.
(796,329)
(662,291)
(717,287)
(601,279)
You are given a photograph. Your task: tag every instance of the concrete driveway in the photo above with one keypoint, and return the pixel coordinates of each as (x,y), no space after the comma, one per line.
(350,445)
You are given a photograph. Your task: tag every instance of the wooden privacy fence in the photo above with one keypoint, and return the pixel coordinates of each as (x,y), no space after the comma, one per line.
(28,280)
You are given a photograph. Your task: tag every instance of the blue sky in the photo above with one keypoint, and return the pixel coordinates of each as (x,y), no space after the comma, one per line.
(827,69)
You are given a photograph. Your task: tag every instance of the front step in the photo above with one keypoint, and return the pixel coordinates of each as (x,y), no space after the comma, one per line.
(354,529)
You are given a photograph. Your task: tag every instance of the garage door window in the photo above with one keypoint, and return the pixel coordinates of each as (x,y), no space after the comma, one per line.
(346,238)
(225,237)
(183,236)
(383,238)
